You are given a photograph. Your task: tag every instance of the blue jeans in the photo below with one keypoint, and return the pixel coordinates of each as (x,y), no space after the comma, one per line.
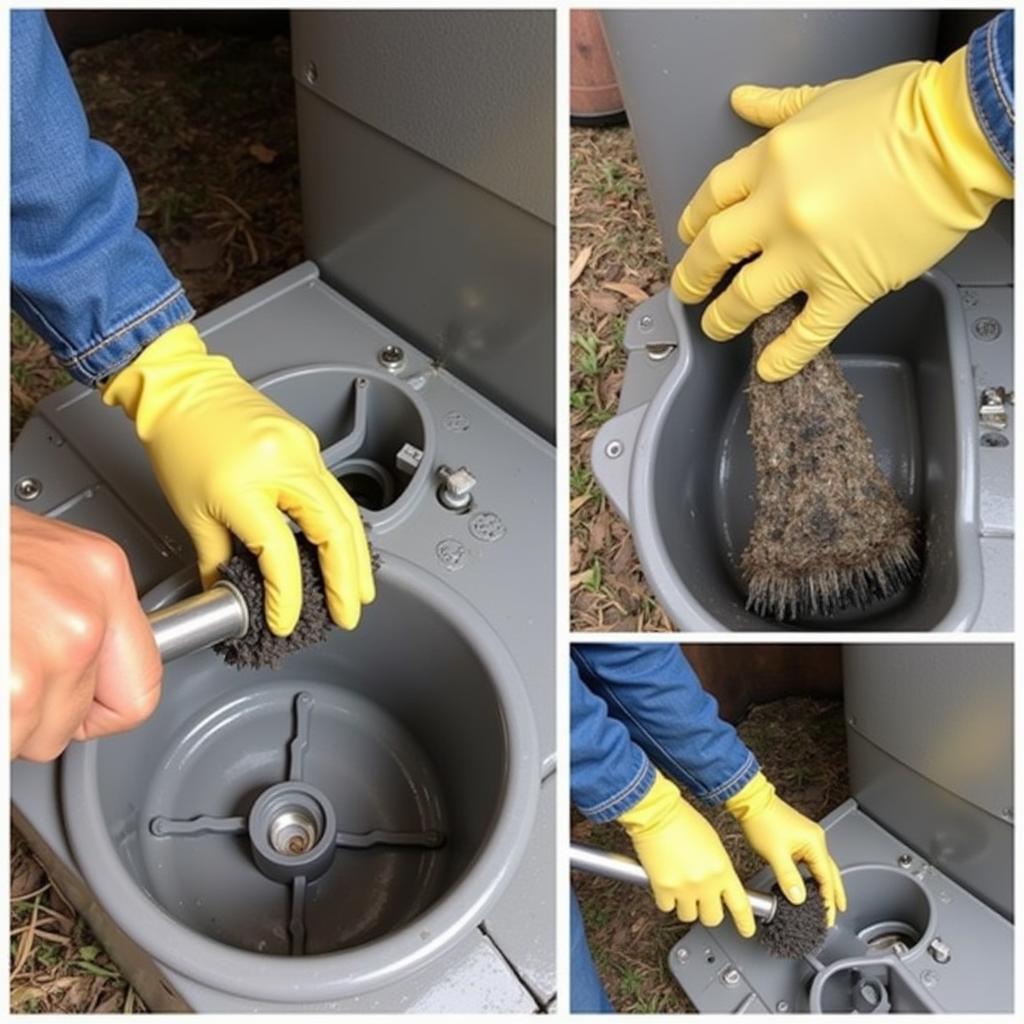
(586,993)
(990,79)
(83,276)
(634,706)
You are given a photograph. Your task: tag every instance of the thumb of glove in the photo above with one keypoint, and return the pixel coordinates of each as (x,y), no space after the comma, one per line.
(767,107)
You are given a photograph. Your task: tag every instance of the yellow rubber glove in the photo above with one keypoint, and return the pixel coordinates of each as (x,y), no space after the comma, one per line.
(231,461)
(689,870)
(860,187)
(786,838)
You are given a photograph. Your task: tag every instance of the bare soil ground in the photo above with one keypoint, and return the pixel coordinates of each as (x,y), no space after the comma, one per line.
(801,744)
(617,264)
(206,125)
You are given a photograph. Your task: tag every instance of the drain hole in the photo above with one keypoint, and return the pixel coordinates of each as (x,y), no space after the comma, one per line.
(369,484)
(990,439)
(889,937)
(293,832)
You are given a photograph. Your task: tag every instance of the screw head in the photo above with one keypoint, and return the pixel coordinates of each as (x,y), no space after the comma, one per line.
(646,322)
(731,976)
(613,449)
(782,1006)
(986,328)
(391,357)
(28,488)
(312,72)
(929,978)
(905,860)
(682,955)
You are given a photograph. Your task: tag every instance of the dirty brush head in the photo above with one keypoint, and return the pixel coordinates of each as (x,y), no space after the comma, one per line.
(260,648)
(795,931)
(829,532)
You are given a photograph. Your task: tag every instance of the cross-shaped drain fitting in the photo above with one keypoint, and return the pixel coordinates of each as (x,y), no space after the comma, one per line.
(292,829)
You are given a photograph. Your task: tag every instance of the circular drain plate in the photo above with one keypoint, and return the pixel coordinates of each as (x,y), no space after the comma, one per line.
(250,751)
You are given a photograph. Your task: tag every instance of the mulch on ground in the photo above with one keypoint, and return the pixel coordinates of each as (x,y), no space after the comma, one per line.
(617,263)
(206,125)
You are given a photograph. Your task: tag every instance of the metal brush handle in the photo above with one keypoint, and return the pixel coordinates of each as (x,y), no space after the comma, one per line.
(217,614)
(624,869)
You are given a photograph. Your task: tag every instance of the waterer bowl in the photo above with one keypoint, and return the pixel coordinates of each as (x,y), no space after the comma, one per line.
(680,468)
(413,723)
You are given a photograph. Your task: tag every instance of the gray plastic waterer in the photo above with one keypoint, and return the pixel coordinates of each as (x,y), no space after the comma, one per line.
(371,824)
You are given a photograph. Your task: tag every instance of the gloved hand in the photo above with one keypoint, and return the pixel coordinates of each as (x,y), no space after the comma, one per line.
(785,838)
(231,461)
(83,660)
(860,186)
(685,861)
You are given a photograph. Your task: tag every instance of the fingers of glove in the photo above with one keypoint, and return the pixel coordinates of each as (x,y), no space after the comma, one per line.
(364,563)
(728,183)
(788,876)
(728,238)
(212,541)
(757,289)
(711,912)
(840,888)
(260,526)
(767,107)
(664,899)
(326,526)
(686,908)
(738,905)
(823,870)
(816,326)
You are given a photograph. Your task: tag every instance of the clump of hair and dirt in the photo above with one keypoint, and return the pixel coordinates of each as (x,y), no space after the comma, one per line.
(830,532)
(260,648)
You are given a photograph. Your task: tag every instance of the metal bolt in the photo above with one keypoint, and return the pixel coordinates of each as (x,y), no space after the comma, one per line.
(986,328)
(456,487)
(682,955)
(940,951)
(28,488)
(312,72)
(782,1006)
(392,358)
(731,976)
(1007,813)
(613,449)
(646,322)
(293,832)
(905,860)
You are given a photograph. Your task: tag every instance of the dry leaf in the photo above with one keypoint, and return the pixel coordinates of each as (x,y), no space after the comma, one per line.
(603,303)
(578,502)
(264,154)
(579,264)
(631,291)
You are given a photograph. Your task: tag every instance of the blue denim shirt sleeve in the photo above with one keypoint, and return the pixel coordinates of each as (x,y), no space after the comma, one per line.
(650,692)
(609,773)
(83,275)
(990,80)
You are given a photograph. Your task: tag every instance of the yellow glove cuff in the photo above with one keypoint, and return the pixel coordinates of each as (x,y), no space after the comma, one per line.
(655,807)
(754,798)
(954,124)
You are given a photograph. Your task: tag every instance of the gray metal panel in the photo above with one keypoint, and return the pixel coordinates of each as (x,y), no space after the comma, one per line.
(977,978)
(472,90)
(522,924)
(943,710)
(676,69)
(468,277)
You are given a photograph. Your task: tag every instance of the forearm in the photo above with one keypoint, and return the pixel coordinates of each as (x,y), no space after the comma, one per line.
(652,691)
(83,275)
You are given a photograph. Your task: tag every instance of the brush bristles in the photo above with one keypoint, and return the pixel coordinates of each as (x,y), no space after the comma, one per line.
(825,592)
(830,532)
(796,930)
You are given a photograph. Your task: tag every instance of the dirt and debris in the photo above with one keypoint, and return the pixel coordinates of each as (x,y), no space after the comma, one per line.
(206,124)
(617,263)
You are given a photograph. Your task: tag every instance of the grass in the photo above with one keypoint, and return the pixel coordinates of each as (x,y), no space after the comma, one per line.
(801,745)
(206,125)
(615,241)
